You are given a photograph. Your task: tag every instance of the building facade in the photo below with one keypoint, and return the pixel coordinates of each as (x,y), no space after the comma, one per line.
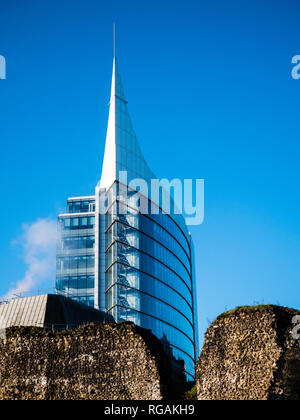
(120,252)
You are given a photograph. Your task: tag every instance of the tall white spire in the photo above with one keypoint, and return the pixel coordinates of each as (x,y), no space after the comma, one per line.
(122,152)
(109,162)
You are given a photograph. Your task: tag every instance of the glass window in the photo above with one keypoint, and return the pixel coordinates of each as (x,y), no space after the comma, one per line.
(90,301)
(73,263)
(85,206)
(74,222)
(76,206)
(90,261)
(83,221)
(73,285)
(67,222)
(82,262)
(91,221)
(90,282)
(90,242)
(70,207)
(82,282)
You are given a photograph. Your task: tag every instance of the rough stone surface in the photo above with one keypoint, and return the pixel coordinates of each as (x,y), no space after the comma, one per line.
(249,354)
(114,361)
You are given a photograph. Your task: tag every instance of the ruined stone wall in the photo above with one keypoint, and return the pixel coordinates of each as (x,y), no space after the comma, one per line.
(250,354)
(115,361)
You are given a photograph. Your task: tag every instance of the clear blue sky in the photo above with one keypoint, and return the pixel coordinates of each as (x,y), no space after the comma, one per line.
(211,96)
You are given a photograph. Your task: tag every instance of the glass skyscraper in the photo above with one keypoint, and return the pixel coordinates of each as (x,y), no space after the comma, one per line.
(136,265)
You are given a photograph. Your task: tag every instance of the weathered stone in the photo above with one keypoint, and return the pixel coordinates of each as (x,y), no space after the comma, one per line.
(114,361)
(249,354)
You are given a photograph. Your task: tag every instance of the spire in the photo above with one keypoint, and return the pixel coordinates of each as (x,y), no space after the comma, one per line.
(122,152)
(109,162)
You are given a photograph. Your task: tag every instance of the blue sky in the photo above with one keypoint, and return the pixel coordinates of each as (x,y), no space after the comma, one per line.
(211,96)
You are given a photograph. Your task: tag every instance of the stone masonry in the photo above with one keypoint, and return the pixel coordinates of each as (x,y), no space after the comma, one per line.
(114,361)
(249,354)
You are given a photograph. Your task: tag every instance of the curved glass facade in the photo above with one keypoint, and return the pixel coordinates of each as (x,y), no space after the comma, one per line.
(137,265)
(148,277)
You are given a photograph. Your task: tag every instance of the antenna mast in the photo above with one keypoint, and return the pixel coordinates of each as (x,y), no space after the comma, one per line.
(114,40)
